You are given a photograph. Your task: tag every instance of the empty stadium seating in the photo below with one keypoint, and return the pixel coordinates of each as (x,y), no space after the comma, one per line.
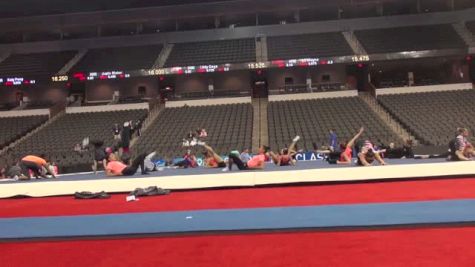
(434,116)
(15,127)
(414,38)
(212,52)
(33,65)
(228,126)
(57,139)
(119,58)
(307,45)
(312,119)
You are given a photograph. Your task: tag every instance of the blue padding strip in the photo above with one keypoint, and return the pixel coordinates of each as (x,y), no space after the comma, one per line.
(355,215)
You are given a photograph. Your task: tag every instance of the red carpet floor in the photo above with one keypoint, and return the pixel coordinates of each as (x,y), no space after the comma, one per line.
(415,247)
(247,198)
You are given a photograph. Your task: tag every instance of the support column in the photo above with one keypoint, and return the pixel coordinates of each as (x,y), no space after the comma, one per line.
(380,9)
(451,4)
(139,28)
(297,16)
(99,31)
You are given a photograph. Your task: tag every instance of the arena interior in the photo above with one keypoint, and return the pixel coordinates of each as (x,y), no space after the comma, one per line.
(237,133)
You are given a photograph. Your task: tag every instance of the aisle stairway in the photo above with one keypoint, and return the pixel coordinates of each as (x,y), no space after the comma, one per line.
(386,117)
(260,130)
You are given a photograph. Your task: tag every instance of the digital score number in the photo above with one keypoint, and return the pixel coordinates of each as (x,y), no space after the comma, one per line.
(154,72)
(257,65)
(360,58)
(60,78)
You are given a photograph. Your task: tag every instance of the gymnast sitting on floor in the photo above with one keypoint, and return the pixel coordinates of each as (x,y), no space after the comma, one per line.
(286,155)
(212,159)
(115,167)
(368,154)
(343,157)
(346,155)
(460,148)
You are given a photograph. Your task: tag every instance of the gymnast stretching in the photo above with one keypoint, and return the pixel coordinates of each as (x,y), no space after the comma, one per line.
(189,161)
(460,148)
(346,155)
(286,155)
(115,167)
(255,163)
(212,159)
(368,154)
(37,165)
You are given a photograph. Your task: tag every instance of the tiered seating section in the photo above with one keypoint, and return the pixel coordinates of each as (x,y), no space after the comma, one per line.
(15,127)
(228,126)
(414,38)
(34,65)
(213,52)
(308,45)
(400,79)
(433,117)
(57,139)
(312,120)
(120,58)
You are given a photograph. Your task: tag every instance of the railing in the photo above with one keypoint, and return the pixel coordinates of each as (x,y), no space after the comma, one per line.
(153,103)
(8,106)
(155,107)
(131,99)
(405,83)
(385,115)
(304,88)
(57,108)
(95,103)
(208,94)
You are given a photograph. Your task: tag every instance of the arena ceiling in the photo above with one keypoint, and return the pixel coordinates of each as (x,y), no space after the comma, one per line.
(21,8)
(25,8)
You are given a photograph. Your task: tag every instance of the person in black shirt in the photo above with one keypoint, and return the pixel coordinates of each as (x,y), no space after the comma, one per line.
(405,151)
(116,131)
(99,155)
(125,137)
(138,127)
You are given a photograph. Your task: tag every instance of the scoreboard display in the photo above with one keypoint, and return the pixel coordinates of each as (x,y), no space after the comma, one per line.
(183,70)
(91,76)
(16,81)
(216,68)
